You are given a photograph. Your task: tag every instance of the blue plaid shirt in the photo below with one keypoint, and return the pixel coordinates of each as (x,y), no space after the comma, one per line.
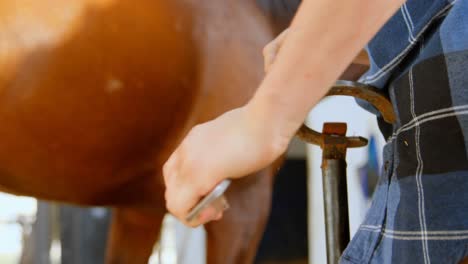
(419,212)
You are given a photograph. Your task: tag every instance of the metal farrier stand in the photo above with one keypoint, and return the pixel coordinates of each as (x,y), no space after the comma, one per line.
(334,144)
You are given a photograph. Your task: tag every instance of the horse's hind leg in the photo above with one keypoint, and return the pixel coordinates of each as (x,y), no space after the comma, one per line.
(132,235)
(235,239)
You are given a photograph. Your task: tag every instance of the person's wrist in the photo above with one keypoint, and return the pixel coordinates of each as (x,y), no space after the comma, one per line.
(271,124)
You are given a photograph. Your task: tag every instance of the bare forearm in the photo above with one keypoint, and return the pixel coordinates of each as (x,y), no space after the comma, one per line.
(322,41)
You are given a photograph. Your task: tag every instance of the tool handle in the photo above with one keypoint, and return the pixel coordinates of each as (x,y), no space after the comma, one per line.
(215,198)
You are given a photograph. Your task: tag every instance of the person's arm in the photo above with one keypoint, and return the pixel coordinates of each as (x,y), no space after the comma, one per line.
(322,40)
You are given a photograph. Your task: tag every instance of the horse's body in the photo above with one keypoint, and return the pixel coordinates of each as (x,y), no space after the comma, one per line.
(94,95)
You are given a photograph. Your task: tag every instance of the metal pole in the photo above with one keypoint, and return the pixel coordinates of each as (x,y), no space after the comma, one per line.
(335,197)
(42,234)
(83,234)
(334,143)
(335,191)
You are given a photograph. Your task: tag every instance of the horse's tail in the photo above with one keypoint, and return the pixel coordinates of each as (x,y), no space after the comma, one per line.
(280,12)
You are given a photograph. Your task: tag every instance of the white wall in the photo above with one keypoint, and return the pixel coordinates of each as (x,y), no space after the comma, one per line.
(10,234)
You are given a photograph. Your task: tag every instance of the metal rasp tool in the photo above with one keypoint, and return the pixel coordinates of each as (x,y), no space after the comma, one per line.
(215,198)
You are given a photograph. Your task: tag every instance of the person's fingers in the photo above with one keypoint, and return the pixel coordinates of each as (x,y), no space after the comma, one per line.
(180,199)
(218,217)
(197,165)
(282,36)
(213,212)
(170,168)
(271,50)
(168,173)
(269,55)
(180,194)
(208,214)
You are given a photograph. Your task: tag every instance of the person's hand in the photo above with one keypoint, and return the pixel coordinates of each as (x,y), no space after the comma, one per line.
(234,145)
(271,50)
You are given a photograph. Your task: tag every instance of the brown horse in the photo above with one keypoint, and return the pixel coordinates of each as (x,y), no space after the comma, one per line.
(94,95)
